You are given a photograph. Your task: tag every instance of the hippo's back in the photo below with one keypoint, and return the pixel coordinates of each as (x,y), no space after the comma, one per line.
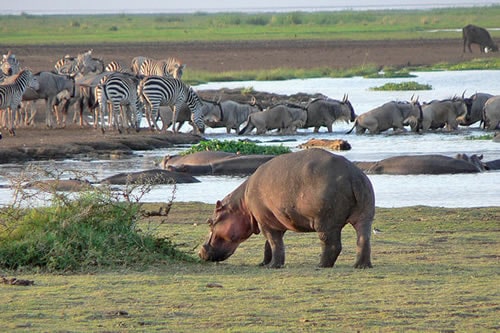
(308,185)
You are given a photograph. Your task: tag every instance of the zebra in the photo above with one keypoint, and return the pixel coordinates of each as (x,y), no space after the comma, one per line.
(83,63)
(67,65)
(11,96)
(86,64)
(159,90)
(171,67)
(114,66)
(9,65)
(121,90)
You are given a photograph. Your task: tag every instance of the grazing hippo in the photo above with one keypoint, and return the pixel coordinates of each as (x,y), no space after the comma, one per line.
(307,191)
(419,164)
(154,176)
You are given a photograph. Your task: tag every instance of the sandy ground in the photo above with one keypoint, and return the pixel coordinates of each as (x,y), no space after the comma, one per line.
(223,56)
(248,55)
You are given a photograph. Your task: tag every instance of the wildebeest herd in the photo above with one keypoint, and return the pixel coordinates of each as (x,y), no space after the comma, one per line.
(117,97)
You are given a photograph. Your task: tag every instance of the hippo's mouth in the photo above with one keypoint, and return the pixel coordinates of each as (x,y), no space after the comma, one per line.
(209,253)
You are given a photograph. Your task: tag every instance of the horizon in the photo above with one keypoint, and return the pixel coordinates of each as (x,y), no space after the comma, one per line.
(57,7)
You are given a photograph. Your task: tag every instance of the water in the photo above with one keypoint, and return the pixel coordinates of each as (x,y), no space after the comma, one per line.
(463,190)
(49,7)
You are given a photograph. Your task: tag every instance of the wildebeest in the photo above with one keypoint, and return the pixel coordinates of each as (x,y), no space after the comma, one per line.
(326,111)
(228,114)
(390,115)
(284,117)
(472,34)
(443,113)
(50,86)
(307,191)
(475,112)
(492,113)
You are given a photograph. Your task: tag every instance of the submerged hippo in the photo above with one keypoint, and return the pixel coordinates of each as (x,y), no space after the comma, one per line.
(215,163)
(419,164)
(306,191)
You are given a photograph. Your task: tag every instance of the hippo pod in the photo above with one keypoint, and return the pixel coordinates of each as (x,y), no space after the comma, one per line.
(215,163)
(423,164)
(153,176)
(308,191)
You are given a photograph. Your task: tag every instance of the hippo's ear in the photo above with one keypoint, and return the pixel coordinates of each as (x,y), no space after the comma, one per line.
(218,205)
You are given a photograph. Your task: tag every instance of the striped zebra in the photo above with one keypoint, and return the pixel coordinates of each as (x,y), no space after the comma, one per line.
(9,65)
(171,67)
(159,90)
(87,64)
(67,65)
(11,96)
(120,89)
(83,63)
(114,66)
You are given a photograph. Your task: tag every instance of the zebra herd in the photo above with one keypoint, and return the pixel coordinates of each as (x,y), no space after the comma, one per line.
(112,93)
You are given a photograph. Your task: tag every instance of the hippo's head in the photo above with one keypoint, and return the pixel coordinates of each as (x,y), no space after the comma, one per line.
(228,228)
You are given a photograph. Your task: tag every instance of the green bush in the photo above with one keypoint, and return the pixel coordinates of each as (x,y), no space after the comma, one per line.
(242,147)
(90,230)
(403,86)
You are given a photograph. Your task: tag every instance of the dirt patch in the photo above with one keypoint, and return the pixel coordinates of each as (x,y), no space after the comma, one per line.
(250,55)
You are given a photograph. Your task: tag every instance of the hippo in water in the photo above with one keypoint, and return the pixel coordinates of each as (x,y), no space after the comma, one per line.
(307,191)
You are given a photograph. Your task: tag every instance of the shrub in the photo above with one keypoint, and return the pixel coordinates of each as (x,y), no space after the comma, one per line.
(242,147)
(411,85)
(96,228)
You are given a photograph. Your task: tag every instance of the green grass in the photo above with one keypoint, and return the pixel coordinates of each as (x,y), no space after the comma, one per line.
(402,86)
(435,269)
(487,137)
(234,146)
(357,25)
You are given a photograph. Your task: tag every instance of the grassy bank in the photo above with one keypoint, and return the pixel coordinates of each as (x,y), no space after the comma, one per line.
(355,25)
(194,77)
(435,269)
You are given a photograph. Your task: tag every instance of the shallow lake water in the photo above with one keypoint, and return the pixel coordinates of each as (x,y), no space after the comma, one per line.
(461,190)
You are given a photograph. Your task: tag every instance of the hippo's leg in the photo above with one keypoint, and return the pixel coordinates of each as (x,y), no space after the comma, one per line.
(275,248)
(268,254)
(363,247)
(331,246)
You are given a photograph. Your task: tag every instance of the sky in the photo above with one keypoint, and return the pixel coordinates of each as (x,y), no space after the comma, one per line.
(156,6)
